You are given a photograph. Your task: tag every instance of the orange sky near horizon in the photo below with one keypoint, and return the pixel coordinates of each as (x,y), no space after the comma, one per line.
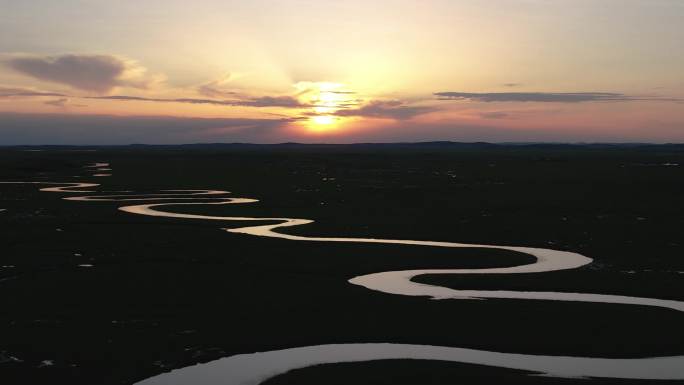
(327,71)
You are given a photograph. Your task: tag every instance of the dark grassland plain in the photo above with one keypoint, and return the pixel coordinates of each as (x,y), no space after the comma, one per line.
(166,293)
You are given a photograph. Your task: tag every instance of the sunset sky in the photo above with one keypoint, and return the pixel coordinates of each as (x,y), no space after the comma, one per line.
(171,71)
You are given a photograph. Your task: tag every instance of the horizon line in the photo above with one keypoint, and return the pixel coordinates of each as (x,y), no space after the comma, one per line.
(433,142)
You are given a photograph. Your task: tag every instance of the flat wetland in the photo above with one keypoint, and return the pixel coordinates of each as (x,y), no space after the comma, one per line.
(93,295)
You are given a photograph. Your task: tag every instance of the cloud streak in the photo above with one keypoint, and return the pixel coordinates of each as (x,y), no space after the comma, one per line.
(92,73)
(163,100)
(494,115)
(542,97)
(389,109)
(272,101)
(213,89)
(263,101)
(62,102)
(11,92)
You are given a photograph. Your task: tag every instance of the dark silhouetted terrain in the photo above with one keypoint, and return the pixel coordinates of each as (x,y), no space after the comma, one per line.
(166,293)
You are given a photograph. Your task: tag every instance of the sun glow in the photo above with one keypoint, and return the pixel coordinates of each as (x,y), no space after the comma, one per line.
(323,120)
(325,99)
(320,124)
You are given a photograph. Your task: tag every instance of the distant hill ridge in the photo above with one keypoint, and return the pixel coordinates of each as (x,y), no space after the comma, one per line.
(432,144)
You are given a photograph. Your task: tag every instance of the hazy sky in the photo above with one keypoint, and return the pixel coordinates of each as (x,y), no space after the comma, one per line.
(91,72)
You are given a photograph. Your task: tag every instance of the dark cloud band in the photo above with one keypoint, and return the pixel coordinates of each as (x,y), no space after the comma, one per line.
(389,109)
(542,97)
(264,101)
(93,73)
(6,92)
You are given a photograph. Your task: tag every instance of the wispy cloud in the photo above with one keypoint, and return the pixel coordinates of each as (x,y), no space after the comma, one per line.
(544,97)
(391,109)
(163,100)
(263,101)
(260,101)
(62,102)
(215,88)
(272,101)
(12,92)
(495,115)
(92,73)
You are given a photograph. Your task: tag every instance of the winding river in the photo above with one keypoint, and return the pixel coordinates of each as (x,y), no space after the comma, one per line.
(254,368)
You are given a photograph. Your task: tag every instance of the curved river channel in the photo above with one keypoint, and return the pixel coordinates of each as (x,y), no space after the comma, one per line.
(254,368)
